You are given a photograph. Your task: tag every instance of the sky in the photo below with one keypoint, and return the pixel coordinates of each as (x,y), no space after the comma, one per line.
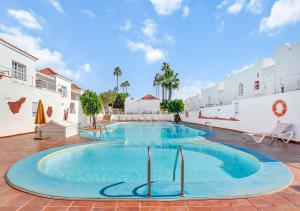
(203,40)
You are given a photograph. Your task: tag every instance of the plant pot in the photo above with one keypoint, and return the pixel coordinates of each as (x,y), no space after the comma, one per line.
(177,118)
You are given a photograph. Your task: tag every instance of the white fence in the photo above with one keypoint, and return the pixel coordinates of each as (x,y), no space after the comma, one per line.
(252,114)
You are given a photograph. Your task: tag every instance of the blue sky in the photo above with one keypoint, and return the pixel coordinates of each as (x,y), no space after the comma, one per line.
(202,40)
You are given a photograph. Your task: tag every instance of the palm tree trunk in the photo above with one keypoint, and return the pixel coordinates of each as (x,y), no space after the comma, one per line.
(163,93)
(170,94)
(117,84)
(126,89)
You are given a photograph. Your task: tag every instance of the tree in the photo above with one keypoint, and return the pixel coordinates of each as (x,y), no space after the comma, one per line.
(123,86)
(120,100)
(174,84)
(126,84)
(117,73)
(91,104)
(176,106)
(164,105)
(108,98)
(168,80)
(157,83)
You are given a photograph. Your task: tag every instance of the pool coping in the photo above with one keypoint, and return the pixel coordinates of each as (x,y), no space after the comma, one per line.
(144,198)
(152,198)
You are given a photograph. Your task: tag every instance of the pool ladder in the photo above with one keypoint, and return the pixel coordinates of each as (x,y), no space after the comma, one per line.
(208,124)
(179,151)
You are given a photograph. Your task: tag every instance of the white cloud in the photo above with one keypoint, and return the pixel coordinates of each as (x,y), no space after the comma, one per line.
(25,18)
(169,39)
(89,13)
(47,58)
(87,68)
(56,5)
(221,26)
(166,7)
(222,4)
(150,28)
(185,11)
(283,13)
(127,26)
(151,54)
(255,6)
(236,7)
(191,88)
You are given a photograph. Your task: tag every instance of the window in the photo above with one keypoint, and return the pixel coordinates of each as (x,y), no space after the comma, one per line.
(18,71)
(209,100)
(34,108)
(241,89)
(236,108)
(282,88)
(256,85)
(64,91)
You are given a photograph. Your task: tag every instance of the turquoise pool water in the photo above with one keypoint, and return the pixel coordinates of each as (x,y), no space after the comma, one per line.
(117,166)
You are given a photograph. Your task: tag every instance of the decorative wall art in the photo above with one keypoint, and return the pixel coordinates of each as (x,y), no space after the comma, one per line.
(15,106)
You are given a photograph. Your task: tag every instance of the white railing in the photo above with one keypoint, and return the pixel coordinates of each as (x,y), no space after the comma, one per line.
(284,84)
(7,73)
(37,82)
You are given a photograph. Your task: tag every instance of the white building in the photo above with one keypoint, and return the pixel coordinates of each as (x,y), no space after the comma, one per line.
(193,103)
(16,65)
(146,105)
(244,100)
(21,87)
(265,77)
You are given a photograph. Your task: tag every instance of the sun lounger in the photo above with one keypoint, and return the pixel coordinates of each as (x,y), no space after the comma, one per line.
(281,131)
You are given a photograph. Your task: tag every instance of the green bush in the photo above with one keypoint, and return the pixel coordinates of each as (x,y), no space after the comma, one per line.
(120,100)
(175,106)
(164,105)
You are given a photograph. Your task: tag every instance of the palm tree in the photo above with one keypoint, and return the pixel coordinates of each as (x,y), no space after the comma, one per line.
(168,73)
(123,86)
(168,81)
(126,84)
(175,82)
(117,73)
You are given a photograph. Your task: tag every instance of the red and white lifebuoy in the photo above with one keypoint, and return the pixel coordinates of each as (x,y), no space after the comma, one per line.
(279,108)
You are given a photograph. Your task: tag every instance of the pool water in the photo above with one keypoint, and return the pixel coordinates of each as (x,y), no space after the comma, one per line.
(146,133)
(115,166)
(117,163)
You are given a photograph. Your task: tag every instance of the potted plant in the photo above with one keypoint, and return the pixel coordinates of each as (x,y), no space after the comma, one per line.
(176,106)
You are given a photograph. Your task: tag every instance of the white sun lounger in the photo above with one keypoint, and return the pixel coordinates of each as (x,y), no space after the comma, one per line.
(281,131)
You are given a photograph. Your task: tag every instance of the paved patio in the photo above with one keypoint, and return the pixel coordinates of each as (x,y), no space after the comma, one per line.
(18,147)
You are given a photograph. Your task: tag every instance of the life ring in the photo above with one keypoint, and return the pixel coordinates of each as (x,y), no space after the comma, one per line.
(281,110)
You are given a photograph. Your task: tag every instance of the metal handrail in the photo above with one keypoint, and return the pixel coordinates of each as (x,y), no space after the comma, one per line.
(182,170)
(209,125)
(149,172)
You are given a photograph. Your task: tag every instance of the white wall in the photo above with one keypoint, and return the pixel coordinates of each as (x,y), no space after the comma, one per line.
(23,122)
(141,106)
(63,82)
(255,114)
(212,95)
(192,103)
(8,55)
(288,65)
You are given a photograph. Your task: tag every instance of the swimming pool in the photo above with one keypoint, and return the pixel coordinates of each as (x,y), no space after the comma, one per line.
(117,166)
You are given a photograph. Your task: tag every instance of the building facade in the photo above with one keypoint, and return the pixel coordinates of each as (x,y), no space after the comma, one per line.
(265,77)
(21,87)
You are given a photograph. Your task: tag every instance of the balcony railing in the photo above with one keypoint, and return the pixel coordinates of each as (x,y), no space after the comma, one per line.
(40,81)
(284,84)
